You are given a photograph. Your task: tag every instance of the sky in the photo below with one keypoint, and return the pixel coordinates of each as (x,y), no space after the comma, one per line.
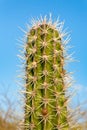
(16,13)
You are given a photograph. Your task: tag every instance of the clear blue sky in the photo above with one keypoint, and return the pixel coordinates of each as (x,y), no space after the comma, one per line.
(15,13)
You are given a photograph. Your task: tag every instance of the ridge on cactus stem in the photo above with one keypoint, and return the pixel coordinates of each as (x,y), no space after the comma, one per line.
(44,56)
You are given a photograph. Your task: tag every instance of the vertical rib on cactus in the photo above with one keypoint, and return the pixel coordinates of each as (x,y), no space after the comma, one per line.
(45,105)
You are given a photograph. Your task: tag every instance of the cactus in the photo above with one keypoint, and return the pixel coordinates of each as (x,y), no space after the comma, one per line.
(45,88)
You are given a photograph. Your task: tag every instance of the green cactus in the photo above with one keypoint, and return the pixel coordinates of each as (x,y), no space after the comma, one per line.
(45,94)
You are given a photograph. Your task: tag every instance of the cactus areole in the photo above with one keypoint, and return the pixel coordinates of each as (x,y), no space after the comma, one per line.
(45,99)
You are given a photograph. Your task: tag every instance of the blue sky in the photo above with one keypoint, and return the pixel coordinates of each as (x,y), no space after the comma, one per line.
(15,13)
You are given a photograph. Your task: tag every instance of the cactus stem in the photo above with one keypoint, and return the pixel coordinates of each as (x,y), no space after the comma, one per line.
(46,80)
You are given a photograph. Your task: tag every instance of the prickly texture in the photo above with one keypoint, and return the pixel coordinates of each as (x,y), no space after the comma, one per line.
(45,105)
